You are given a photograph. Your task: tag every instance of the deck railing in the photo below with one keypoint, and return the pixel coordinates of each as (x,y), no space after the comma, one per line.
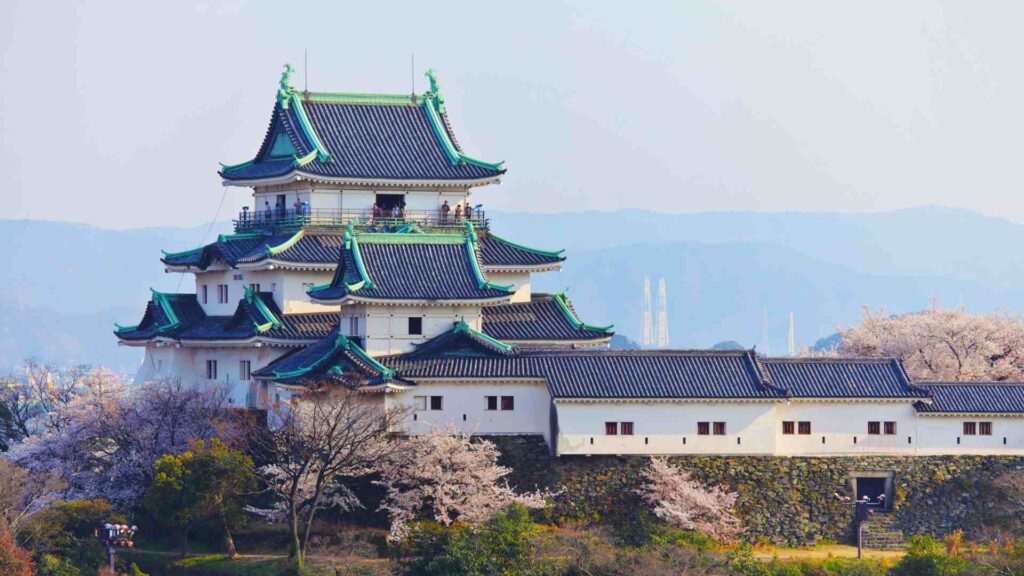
(293,218)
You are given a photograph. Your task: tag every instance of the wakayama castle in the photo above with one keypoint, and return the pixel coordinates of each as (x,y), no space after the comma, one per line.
(364,262)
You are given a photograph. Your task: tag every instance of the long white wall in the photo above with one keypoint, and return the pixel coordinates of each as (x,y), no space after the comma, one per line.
(842,428)
(942,434)
(465,407)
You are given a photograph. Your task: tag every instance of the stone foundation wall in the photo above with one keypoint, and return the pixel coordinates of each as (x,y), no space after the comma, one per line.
(782,500)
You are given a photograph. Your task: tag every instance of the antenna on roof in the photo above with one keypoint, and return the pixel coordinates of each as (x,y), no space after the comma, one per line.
(305,71)
(412,75)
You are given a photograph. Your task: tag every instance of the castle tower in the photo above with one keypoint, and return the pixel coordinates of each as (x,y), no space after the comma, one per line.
(662,315)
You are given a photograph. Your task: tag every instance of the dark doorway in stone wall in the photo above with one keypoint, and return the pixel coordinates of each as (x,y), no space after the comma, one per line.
(877,486)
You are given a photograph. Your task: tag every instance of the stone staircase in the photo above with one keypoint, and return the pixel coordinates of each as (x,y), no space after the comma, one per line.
(882,532)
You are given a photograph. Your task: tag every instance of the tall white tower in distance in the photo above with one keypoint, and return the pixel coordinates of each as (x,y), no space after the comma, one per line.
(792,336)
(662,315)
(646,323)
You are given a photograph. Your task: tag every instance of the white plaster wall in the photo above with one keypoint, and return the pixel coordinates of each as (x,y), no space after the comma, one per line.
(355,200)
(386,328)
(464,405)
(939,434)
(291,296)
(519,280)
(840,423)
(287,287)
(189,365)
(660,427)
(325,199)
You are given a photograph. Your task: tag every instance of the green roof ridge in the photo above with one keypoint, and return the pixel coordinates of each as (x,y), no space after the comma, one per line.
(352,242)
(182,253)
(433,105)
(298,162)
(551,253)
(161,299)
(253,298)
(232,167)
(462,327)
(240,236)
(343,342)
(563,304)
(361,98)
(272,250)
(481,281)
(307,129)
(409,238)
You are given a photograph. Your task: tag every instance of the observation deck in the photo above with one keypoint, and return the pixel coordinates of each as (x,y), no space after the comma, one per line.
(283,220)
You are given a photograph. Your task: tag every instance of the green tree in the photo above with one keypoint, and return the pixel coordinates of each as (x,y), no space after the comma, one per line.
(62,536)
(501,546)
(208,483)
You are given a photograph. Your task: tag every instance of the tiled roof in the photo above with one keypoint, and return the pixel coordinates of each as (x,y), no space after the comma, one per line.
(841,377)
(384,139)
(495,251)
(314,249)
(333,358)
(416,267)
(973,397)
(248,321)
(541,319)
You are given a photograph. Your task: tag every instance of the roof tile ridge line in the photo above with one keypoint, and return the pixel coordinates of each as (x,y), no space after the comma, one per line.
(181,253)
(299,162)
(911,385)
(562,301)
(225,168)
(764,377)
(471,250)
(454,156)
(367,98)
(551,253)
(307,129)
(353,348)
(254,299)
(273,250)
(239,236)
(462,327)
(365,281)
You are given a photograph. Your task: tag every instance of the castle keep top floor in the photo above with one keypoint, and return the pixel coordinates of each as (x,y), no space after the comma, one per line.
(328,158)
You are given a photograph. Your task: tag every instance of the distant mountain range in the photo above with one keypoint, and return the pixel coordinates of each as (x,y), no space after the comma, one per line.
(65,284)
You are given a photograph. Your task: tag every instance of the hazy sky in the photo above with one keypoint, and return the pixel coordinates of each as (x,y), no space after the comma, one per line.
(116,113)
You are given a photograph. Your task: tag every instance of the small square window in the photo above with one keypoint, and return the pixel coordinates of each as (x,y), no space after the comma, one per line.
(611,428)
(703,428)
(492,402)
(419,402)
(508,402)
(874,427)
(719,428)
(788,427)
(970,428)
(255,287)
(985,428)
(435,402)
(627,428)
(890,428)
(805,428)
(415,326)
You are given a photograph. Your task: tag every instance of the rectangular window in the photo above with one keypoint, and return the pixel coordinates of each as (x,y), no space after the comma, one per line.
(874,427)
(211,369)
(419,402)
(222,293)
(244,368)
(611,428)
(719,428)
(703,428)
(353,326)
(890,428)
(788,427)
(435,402)
(508,403)
(254,287)
(273,286)
(492,402)
(970,428)
(415,326)
(238,277)
(805,428)
(627,428)
(985,428)
(206,294)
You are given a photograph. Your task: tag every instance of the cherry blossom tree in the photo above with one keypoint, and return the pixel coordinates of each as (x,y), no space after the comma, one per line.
(942,344)
(22,493)
(682,502)
(103,442)
(323,440)
(452,476)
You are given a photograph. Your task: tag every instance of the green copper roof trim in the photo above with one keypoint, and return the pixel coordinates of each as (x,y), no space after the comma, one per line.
(362,99)
(307,129)
(347,345)
(352,288)
(563,304)
(318,287)
(551,253)
(481,281)
(410,228)
(284,90)
(182,253)
(162,300)
(300,162)
(358,257)
(118,328)
(454,156)
(242,236)
(231,168)
(409,238)
(272,250)
(252,298)
(461,327)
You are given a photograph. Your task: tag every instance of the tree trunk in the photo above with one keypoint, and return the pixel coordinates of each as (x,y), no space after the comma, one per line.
(183,542)
(229,541)
(295,548)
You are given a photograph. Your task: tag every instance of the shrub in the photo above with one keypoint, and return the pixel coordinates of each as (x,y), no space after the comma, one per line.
(65,531)
(926,556)
(500,546)
(13,560)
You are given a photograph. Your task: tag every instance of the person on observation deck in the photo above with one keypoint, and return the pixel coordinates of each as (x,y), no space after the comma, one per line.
(267,212)
(376,211)
(458,213)
(395,211)
(469,211)
(445,209)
